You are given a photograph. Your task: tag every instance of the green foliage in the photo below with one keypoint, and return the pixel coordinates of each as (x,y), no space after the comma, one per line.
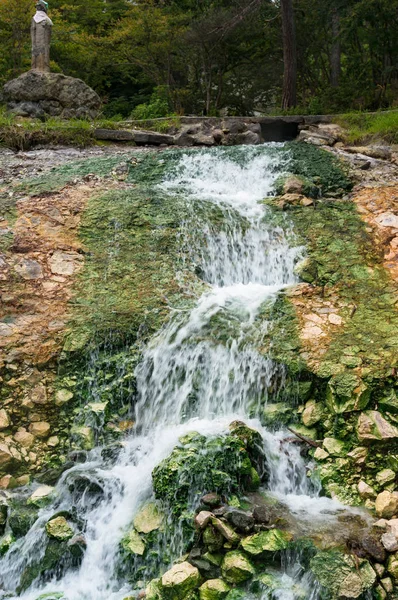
(156,58)
(158,106)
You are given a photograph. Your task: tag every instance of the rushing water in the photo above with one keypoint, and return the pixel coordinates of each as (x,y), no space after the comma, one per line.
(192,376)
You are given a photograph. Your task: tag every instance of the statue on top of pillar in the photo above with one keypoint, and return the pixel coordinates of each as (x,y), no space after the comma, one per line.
(41,37)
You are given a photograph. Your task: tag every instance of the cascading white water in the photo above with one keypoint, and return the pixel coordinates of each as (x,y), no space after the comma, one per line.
(200,372)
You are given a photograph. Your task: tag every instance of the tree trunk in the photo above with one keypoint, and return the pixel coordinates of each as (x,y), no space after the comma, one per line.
(289,95)
(335,56)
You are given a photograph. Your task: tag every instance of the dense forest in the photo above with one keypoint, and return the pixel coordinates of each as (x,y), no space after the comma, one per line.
(157,57)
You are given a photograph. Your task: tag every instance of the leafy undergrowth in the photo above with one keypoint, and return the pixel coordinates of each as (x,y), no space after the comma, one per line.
(364,128)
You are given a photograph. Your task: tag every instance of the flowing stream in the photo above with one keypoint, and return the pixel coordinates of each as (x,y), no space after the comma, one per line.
(191,377)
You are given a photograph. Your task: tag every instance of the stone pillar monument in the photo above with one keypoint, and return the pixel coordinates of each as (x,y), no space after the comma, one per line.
(41,36)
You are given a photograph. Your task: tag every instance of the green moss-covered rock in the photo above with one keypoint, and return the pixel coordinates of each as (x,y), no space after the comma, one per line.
(153,590)
(57,557)
(213,539)
(273,540)
(276,414)
(199,465)
(22,518)
(334,447)
(373,426)
(214,589)
(313,413)
(5,543)
(346,393)
(149,518)
(341,575)
(236,567)
(133,544)
(59,529)
(389,402)
(42,496)
(179,581)
(84,437)
(306,270)
(392,566)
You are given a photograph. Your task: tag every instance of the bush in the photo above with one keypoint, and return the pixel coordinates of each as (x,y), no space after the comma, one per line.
(157,107)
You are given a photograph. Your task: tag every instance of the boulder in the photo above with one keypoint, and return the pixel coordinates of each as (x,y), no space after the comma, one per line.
(148,519)
(343,576)
(84,437)
(213,539)
(389,542)
(4,419)
(386,504)
(262,514)
(366,491)
(29,269)
(373,426)
(213,589)
(24,439)
(385,477)
(59,529)
(312,414)
(273,540)
(6,457)
(307,270)
(389,402)
(133,544)
(378,152)
(346,392)
(392,566)
(202,519)
(293,185)
(317,137)
(276,413)
(211,500)
(179,581)
(63,396)
(42,496)
(41,429)
(240,520)
(334,447)
(226,531)
(236,567)
(36,94)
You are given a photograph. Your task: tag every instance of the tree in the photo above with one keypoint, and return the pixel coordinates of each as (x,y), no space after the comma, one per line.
(289,92)
(335,55)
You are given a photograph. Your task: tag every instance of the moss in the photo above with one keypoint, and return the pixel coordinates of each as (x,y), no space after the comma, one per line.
(323,173)
(21,518)
(67,173)
(349,266)
(201,465)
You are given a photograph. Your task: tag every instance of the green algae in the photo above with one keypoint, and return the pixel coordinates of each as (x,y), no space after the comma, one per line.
(67,173)
(349,265)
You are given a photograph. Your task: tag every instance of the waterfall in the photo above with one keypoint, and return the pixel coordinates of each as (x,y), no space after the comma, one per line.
(200,372)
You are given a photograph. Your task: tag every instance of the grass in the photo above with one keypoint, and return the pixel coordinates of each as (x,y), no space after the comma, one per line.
(364,128)
(21,134)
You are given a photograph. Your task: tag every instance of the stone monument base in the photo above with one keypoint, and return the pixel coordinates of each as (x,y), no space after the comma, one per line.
(38,94)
